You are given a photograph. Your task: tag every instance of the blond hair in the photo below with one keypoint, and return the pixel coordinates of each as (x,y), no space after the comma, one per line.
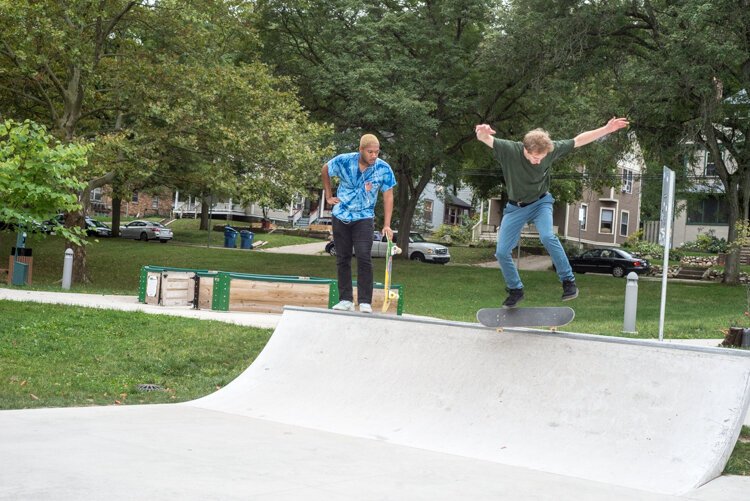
(537,141)
(367,140)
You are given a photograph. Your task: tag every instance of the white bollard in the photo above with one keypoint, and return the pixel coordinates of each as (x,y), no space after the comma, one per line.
(631,303)
(67,269)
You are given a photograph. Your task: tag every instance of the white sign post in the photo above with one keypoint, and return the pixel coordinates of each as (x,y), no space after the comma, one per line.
(665,237)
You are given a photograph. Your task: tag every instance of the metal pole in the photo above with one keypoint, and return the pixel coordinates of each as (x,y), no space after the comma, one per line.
(210,207)
(665,238)
(67,269)
(631,303)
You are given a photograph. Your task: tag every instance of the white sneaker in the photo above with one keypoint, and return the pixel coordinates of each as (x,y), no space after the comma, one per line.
(365,308)
(344,306)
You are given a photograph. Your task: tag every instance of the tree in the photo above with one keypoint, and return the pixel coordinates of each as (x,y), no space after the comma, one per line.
(687,76)
(37,175)
(421,74)
(170,93)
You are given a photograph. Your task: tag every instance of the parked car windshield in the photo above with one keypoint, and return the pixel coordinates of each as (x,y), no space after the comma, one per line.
(413,237)
(98,223)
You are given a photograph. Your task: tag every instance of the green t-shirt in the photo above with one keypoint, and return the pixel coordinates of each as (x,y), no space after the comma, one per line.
(525,181)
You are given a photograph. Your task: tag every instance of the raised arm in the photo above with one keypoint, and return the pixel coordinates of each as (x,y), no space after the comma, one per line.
(484,133)
(613,125)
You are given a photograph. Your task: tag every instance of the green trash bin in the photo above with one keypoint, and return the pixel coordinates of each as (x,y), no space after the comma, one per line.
(20,272)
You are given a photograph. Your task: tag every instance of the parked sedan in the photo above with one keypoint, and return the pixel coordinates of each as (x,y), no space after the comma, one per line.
(146,230)
(419,248)
(93,227)
(615,261)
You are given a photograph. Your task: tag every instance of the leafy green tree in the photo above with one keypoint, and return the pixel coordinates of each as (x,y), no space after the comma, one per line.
(37,176)
(422,74)
(169,92)
(687,78)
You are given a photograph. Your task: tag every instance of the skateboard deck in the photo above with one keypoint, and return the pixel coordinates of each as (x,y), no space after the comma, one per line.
(526,317)
(388,294)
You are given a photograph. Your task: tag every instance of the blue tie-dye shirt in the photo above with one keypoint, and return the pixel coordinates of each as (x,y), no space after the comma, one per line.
(358,191)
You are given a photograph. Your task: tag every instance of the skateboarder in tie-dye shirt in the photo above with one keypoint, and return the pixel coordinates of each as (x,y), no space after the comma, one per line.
(362,175)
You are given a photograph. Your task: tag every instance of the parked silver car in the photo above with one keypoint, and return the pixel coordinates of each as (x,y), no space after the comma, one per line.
(146,230)
(419,248)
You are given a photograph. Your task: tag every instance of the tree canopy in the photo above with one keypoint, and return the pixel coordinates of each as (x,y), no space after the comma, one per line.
(37,175)
(169,93)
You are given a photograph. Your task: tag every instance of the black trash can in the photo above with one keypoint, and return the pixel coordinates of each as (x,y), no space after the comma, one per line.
(230,237)
(246,239)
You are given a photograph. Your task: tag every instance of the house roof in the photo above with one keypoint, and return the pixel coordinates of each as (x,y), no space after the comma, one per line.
(455,201)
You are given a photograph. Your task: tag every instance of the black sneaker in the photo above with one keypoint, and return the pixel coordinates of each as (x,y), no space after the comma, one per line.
(515,296)
(570,291)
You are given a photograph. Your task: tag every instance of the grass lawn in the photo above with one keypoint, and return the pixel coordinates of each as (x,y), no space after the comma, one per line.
(455,291)
(60,356)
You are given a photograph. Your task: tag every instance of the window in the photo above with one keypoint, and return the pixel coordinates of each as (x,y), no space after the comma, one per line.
(155,202)
(583,215)
(710,169)
(135,197)
(427,211)
(624,222)
(96,195)
(709,210)
(453,216)
(627,181)
(606,221)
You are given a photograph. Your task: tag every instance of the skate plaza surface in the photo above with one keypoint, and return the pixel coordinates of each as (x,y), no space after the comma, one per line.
(350,406)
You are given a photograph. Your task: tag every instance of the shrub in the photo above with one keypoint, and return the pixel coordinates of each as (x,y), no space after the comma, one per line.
(706,242)
(454,233)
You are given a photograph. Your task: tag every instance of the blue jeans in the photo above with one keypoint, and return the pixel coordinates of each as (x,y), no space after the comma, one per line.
(514,219)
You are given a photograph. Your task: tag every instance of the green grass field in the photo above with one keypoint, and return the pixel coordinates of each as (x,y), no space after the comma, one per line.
(455,291)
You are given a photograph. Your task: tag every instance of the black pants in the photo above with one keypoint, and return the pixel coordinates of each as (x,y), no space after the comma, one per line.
(355,235)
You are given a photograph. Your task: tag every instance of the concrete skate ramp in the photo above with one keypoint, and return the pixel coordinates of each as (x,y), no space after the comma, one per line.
(638,414)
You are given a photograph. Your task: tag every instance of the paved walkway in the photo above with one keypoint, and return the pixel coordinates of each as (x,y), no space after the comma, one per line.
(311,249)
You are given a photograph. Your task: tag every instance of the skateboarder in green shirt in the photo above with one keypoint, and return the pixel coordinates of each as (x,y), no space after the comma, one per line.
(526,168)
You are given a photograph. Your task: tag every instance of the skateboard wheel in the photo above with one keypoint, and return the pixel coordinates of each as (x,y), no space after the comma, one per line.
(392,295)
(396,250)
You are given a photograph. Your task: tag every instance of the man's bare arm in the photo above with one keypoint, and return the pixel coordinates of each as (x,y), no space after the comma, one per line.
(387,212)
(327,186)
(587,137)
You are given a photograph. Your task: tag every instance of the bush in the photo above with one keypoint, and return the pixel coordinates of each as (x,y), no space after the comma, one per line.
(651,251)
(453,233)
(706,242)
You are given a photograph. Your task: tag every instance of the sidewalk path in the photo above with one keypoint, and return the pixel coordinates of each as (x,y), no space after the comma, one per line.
(311,249)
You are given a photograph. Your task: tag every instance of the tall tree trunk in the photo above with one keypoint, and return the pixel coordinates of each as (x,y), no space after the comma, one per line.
(732,267)
(116,215)
(205,206)
(408,194)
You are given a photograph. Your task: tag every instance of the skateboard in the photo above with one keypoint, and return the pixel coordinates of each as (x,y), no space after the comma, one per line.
(388,294)
(526,317)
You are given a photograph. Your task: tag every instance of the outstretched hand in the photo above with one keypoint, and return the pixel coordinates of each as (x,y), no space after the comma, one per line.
(616,124)
(484,133)
(484,129)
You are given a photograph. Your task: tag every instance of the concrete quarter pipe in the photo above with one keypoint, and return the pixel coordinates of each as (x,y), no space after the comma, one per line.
(349,406)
